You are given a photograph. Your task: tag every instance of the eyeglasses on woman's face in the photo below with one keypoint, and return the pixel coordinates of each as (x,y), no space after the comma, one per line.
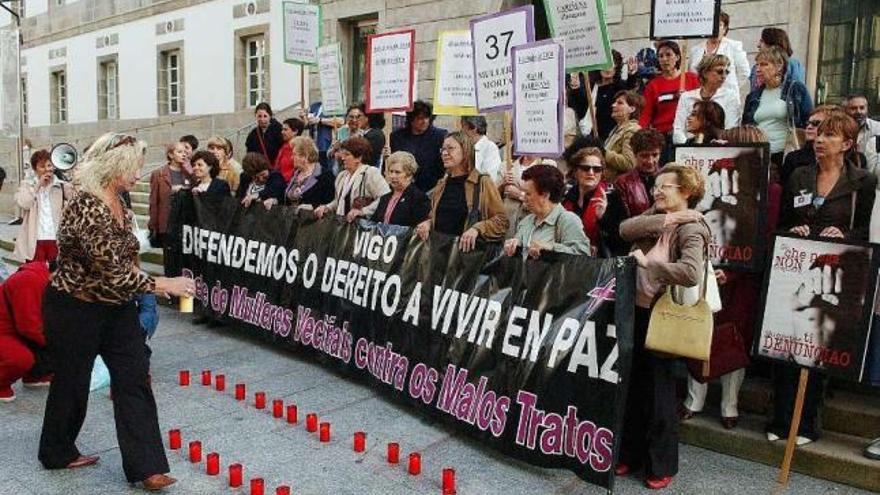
(595,169)
(664,188)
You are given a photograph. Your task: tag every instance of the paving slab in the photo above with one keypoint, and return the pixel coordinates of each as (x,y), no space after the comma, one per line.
(282,453)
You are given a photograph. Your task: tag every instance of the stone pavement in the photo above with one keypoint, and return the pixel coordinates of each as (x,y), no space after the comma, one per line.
(280,453)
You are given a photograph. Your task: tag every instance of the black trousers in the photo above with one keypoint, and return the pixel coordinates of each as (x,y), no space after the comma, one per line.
(785,385)
(650,427)
(76,332)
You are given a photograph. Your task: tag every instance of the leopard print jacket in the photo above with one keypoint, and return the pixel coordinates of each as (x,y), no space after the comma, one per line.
(97,258)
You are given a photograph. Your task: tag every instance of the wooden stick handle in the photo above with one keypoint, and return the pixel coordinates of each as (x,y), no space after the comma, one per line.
(785,469)
(591,106)
(682,82)
(508,132)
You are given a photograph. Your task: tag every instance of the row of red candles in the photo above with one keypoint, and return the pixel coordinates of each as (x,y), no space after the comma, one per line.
(257,484)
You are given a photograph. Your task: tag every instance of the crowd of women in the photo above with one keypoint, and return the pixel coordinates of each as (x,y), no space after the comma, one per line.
(615,192)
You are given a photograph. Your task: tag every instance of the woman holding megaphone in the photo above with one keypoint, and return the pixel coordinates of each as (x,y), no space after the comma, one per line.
(41,199)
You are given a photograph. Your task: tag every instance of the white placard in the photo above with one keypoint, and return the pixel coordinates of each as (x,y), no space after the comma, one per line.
(538,81)
(493,37)
(454,85)
(390,66)
(580,24)
(330,73)
(302,33)
(684,18)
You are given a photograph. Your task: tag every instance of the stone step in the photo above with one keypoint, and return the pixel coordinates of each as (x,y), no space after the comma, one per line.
(142,187)
(835,457)
(140,209)
(851,411)
(140,197)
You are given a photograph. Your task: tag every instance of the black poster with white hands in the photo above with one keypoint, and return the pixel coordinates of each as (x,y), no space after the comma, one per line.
(818,304)
(530,357)
(734,203)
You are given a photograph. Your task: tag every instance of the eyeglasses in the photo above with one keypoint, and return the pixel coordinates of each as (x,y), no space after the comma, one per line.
(814,123)
(722,72)
(664,188)
(596,169)
(448,149)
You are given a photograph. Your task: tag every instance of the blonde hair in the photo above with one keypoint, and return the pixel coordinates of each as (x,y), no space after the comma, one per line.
(708,62)
(306,146)
(689,178)
(773,55)
(110,157)
(405,159)
(222,143)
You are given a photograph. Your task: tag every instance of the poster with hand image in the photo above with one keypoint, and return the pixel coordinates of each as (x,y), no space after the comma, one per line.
(734,203)
(818,304)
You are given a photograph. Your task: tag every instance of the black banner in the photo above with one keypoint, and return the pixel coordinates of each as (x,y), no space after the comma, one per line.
(531,357)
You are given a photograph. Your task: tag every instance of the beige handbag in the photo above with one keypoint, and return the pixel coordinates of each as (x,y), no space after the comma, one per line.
(681,329)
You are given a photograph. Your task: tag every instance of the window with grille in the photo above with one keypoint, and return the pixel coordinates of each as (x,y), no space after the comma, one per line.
(255,69)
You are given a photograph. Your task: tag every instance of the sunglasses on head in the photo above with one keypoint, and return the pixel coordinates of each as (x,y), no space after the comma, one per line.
(121,140)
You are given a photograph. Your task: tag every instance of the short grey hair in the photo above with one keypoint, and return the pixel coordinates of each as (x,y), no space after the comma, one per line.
(478,122)
(405,159)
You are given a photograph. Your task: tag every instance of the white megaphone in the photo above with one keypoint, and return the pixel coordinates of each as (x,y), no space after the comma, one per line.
(63,156)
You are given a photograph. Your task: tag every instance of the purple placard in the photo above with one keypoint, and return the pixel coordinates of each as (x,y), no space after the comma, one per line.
(529,11)
(560,105)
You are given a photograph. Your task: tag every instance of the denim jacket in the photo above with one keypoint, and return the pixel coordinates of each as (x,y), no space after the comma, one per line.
(797,99)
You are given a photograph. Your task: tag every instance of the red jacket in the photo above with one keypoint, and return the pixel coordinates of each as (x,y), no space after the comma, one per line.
(284,162)
(632,191)
(23,292)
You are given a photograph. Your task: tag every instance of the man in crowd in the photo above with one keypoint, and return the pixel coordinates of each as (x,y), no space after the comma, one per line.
(487,159)
(635,186)
(869,129)
(22,343)
(423,140)
(321,130)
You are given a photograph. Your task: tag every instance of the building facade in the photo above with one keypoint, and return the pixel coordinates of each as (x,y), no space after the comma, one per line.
(163,68)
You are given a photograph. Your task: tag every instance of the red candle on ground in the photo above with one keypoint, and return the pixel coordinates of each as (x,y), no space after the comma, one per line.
(260,400)
(184,378)
(415,463)
(195,451)
(311,422)
(360,440)
(257,486)
(291,414)
(234,475)
(393,452)
(220,382)
(448,481)
(239,391)
(282,490)
(278,408)
(174,439)
(213,461)
(206,378)
(325,432)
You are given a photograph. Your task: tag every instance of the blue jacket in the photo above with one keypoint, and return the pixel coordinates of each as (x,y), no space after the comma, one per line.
(797,99)
(147,314)
(795,71)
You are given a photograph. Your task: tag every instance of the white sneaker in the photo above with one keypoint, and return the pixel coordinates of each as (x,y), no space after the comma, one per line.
(872,451)
(803,440)
(772,437)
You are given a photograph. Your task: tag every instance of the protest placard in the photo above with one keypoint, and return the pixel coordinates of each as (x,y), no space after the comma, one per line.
(330,74)
(817,304)
(454,81)
(580,24)
(684,18)
(734,203)
(494,36)
(390,71)
(538,83)
(302,33)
